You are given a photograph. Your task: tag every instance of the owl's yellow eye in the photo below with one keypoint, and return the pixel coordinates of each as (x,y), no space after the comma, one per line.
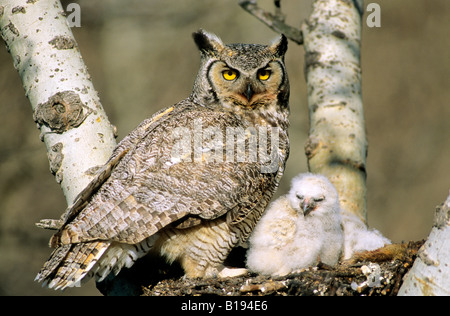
(229,74)
(264,74)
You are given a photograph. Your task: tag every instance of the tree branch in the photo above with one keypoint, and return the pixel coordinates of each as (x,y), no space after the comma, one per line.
(275,22)
(337,145)
(430,275)
(73,124)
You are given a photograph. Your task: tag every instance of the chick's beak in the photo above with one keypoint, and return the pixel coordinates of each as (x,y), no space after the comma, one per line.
(307,206)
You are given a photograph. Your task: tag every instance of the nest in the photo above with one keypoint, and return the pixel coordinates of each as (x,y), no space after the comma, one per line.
(372,273)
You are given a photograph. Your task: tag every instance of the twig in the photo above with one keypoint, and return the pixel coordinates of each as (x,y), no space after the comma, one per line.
(275,22)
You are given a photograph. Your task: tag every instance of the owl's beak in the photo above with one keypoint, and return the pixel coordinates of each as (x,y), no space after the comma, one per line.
(249,92)
(307,205)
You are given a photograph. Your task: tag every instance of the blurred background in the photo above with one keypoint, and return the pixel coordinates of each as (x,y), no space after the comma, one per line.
(141,57)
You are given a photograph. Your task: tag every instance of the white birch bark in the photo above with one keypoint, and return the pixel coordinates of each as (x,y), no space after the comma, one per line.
(73,124)
(337,145)
(430,274)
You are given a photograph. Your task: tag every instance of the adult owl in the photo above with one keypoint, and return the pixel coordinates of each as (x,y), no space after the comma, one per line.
(189,183)
(298,229)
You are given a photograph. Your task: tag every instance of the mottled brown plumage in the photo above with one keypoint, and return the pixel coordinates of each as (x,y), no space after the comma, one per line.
(178,185)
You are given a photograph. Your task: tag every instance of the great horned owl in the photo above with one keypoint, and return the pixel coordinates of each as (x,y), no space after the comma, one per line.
(298,229)
(191,182)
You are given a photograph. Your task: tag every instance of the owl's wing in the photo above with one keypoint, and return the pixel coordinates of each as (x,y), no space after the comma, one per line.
(153,186)
(127,144)
(103,173)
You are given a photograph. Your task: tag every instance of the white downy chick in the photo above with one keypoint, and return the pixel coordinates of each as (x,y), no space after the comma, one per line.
(299,229)
(358,237)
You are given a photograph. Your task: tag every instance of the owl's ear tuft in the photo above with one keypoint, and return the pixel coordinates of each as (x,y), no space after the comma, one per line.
(207,42)
(279,46)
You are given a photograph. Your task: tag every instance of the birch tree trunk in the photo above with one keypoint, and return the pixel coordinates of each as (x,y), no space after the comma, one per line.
(430,274)
(337,145)
(66,107)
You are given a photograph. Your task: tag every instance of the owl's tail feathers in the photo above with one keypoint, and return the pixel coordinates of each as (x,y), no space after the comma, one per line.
(69,264)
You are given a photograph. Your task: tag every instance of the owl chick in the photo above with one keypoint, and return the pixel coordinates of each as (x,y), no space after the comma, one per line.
(175,187)
(358,237)
(299,229)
